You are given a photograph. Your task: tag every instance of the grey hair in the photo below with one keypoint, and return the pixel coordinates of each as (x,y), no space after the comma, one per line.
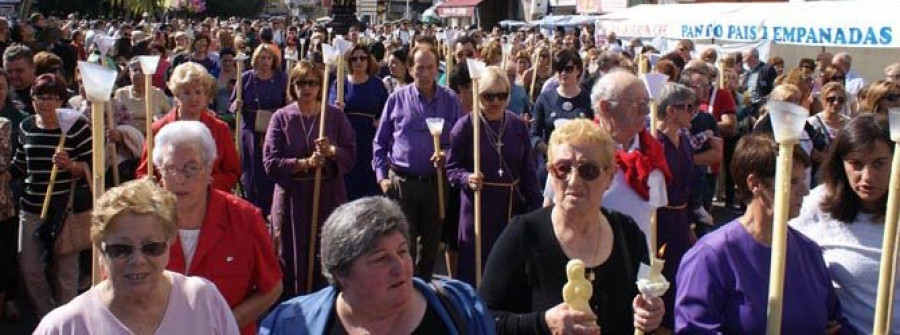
(354,228)
(16,52)
(674,94)
(686,75)
(185,133)
(844,58)
(607,88)
(753,52)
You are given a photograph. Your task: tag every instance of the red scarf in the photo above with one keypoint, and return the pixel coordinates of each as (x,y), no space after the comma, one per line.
(637,164)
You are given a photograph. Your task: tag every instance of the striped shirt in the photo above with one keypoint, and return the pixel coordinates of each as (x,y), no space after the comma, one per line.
(34,159)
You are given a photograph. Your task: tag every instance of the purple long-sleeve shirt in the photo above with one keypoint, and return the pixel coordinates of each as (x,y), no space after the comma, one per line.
(403,140)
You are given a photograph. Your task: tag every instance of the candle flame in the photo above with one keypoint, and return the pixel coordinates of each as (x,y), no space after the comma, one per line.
(662,251)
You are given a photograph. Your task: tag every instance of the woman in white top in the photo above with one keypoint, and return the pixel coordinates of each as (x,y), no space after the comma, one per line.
(845,215)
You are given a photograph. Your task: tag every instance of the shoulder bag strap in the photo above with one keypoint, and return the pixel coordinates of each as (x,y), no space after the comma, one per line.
(448,304)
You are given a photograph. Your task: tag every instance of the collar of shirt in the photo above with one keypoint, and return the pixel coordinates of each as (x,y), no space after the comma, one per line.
(635,144)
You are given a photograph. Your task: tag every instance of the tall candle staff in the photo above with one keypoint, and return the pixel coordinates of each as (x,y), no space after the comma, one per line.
(885,297)
(98,82)
(104,43)
(654,83)
(787,124)
(67,118)
(436,127)
(475,69)
(342,46)
(148,67)
(330,56)
(450,42)
(302,44)
(239,101)
(506,47)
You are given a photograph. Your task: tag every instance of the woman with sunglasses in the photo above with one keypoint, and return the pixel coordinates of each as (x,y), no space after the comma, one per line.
(845,216)
(364,98)
(832,118)
(723,279)
(881,96)
(508,179)
(220,237)
(133,226)
(525,271)
(292,153)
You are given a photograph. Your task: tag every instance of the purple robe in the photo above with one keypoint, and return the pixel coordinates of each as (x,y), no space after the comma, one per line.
(498,203)
(292,202)
(723,286)
(258,94)
(674,229)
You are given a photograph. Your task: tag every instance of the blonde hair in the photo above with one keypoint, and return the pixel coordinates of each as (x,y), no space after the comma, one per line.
(276,63)
(786,92)
(877,91)
(583,131)
(191,73)
(490,78)
(139,197)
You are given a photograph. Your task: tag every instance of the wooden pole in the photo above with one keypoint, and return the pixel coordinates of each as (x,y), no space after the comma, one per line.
(340,82)
(442,211)
(148,113)
(238,107)
(317,189)
(115,150)
(884,298)
(53,172)
(449,61)
(779,237)
(535,67)
(476,137)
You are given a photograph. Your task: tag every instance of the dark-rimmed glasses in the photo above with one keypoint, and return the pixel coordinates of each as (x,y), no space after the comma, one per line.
(491,96)
(835,99)
(587,170)
(359,59)
(306,83)
(150,249)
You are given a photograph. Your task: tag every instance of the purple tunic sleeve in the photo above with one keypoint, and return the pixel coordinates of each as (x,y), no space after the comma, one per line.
(279,164)
(384,140)
(699,304)
(460,156)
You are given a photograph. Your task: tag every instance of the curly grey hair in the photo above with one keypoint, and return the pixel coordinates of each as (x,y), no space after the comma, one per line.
(354,228)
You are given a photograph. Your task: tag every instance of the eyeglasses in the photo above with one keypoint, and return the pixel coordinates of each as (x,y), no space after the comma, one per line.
(567,69)
(359,59)
(151,249)
(893,97)
(587,170)
(835,99)
(188,171)
(306,83)
(494,96)
(42,98)
(685,107)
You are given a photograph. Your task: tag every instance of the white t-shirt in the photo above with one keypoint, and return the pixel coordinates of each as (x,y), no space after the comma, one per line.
(189,238)
(852,252)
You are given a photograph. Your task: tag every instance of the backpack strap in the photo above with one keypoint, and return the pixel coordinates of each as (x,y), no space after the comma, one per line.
(442,294)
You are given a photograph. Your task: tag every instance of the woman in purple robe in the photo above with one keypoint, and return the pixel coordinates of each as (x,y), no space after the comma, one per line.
(291,155)
(263,89)
(508,178)
(723,280)
(675,110)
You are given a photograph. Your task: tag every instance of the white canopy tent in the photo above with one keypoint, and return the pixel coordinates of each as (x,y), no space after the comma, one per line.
(864,28)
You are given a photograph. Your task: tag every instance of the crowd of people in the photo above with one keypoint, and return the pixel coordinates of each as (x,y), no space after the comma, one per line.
(336,206)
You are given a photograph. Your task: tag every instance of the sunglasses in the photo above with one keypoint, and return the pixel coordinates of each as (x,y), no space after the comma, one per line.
(151,249)
(495,96)
(307,83)
(467,54)
(893,97)
(831,100)
(359,59)
(588,171)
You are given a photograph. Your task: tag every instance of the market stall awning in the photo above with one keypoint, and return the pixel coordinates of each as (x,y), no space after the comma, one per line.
(458,8)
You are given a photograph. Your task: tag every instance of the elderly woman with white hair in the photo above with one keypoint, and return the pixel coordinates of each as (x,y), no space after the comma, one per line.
(193,89)
(220,237)
(366,258)
(508,178)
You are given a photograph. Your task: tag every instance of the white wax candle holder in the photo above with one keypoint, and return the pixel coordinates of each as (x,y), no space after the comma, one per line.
(654,285)
(654,83)
(330,54)
(98,81)
(451,35)
(67,118)
(788,120)
(638,50)
(506,47)
(435,125)
(241,57)
(148,64)
(475,68)
(654,58)
(894,120)
(342,45)
(441,36)
(104,43)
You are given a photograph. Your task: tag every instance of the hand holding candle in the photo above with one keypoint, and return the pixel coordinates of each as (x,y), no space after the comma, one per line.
(436,127)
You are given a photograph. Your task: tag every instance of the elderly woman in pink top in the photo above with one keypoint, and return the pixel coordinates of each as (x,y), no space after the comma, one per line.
(134,226)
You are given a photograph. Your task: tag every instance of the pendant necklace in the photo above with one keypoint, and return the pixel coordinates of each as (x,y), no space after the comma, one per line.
(307,132)
(495,139)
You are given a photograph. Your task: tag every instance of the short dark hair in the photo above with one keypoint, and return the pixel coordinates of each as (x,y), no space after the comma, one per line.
(859,135)
(755,154)
(466,39)
(50,84)
(562,58)
(459,78)
(422,47)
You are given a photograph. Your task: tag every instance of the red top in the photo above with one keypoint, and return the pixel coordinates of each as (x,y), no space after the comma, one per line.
(226,169)
(234,251)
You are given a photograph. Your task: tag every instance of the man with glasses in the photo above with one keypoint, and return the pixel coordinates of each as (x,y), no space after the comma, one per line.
(463,49)
(404,166)
(853,82)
